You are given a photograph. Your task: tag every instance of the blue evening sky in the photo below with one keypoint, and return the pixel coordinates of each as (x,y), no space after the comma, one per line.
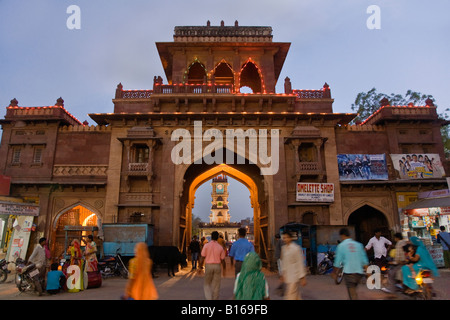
(42,60)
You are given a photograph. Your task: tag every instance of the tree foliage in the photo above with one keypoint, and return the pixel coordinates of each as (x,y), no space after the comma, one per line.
(366,103)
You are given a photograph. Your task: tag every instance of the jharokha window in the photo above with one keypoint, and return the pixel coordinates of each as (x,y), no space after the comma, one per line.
(140,153)
(37,156)
(16,155)
(307,152)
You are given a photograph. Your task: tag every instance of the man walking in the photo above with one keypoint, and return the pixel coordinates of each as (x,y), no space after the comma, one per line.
(293,269)
(194,248)
(351,255)
(214,254)
(239,249)
(201,259)
(380,247)
(444,239)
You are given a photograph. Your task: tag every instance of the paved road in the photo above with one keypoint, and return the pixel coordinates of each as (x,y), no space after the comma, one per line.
(187,285)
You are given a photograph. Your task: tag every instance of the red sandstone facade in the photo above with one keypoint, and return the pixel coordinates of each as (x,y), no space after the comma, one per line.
(121,170)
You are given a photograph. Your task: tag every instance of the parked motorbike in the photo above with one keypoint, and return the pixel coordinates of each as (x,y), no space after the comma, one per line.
(111,266)
(326,265)
(4,270)
(27,277)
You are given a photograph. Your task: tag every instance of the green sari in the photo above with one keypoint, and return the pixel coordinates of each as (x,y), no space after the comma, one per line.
(250,283)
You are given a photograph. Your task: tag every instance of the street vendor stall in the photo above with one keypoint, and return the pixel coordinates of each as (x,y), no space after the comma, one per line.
(423,219)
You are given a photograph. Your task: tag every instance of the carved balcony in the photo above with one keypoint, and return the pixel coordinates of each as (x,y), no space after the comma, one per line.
(138,169)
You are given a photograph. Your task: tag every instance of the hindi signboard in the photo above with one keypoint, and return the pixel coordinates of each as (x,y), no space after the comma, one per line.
(19,209)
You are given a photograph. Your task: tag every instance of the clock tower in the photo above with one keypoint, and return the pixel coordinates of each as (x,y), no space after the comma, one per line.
(219,204)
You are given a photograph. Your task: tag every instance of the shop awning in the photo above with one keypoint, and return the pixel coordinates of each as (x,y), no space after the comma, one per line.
(429,203)
(429,206)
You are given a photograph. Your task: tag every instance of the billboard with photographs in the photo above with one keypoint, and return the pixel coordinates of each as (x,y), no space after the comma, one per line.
(418,165)
(362,167)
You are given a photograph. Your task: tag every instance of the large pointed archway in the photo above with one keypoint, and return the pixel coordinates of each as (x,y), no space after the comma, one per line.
(247,174)
(73,222)
(366,220)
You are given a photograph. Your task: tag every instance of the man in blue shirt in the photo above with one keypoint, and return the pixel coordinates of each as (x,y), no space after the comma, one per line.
(239,249)
(55,279)
(351,255)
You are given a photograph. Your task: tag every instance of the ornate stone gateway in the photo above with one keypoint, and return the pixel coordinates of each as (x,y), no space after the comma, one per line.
(218,113)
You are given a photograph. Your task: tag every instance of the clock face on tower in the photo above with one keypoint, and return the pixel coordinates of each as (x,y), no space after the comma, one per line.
(219,188)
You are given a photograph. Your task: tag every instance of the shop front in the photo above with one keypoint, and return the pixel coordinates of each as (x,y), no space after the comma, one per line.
(423,219)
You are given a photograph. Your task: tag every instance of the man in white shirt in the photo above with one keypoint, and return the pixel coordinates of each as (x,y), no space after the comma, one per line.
(293,269)
(39,258)
(380,247)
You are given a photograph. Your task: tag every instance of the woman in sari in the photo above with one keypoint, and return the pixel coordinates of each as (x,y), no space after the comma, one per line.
(420,259)
(251,283)
(76,259)
(90,252)
(140,284)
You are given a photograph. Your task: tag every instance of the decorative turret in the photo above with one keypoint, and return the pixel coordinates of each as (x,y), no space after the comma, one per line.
(219,204)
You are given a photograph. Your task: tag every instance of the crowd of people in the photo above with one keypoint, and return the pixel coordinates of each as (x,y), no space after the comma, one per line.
(250,282)
(52,278)
(404,257)
(405,260)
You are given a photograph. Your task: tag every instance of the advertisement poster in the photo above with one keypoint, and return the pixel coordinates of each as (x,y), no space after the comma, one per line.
(437,254)
(362,167)
(418,165)
(315,192)
(21,237)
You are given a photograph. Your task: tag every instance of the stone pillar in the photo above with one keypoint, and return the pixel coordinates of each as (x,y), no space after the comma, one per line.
(332,171)
(114,171)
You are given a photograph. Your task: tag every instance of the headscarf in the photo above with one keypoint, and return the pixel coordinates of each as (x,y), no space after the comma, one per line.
(251,284)
(75,252)
(143,287)
(425,261)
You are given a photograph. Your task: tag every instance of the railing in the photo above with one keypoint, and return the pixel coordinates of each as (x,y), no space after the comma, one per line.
(207,88)
(137,167)
(193,88)
(136,94)
(308,166)
(176,88)
(309,94)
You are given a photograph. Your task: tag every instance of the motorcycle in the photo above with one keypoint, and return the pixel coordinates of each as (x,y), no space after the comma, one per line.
(111,266)
(27,277)
(425,291)
(4,270)
(326,265)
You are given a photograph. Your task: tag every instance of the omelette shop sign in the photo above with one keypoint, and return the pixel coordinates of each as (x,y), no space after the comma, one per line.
(315,192)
